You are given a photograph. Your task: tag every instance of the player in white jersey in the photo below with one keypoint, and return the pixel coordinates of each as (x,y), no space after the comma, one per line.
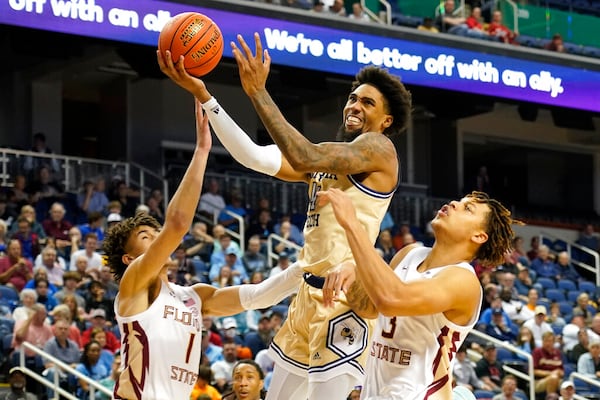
(160,322)
(428,300)
(314,356)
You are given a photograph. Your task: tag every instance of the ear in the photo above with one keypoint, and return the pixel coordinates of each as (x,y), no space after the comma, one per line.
(387,122)
(480,237)
(127,259)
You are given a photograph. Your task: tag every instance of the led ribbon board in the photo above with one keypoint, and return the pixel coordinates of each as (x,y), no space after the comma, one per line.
(324,49)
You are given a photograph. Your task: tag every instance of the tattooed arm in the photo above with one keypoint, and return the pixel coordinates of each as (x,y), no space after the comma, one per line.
(360,302)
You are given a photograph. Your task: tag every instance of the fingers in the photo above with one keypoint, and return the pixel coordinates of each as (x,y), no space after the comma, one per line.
(258,46)
(245,47)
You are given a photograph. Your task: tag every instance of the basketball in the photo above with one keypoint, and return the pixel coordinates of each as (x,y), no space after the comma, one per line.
(197,38)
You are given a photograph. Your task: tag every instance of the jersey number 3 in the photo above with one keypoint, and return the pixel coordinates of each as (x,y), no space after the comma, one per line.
(390,334)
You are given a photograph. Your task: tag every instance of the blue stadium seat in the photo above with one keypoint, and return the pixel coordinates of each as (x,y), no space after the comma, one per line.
(566,285)
(572,295)
(546,283)
(566,308)
(9,297)
(587,286)
(484,394)
(557,295)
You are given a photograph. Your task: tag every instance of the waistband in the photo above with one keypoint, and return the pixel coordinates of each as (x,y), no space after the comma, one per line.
(314,280)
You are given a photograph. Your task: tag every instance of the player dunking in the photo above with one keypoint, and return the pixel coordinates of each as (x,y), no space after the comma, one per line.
(160,322)
(428,301)
(313,346)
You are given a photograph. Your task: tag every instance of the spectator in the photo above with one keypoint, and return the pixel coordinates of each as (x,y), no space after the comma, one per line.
(446,21)
(497,327)
(15,270)
(90,366)
(566,268)
(17,195)
(525,342)
(44,187)
(572,334)
(223,243)
(17,383)
(110,286)
(261,339)
(543,264)
(475,23)
(90,243)
(212,352)
(63,349)
(464,373)
(253,259)
(556,44)
(588,363)
(52,266)
(186,271)
(488,369)
(199,244)
(385,244)
(262,227)
(547,365)
(62,312)
(318,6)
(7,217)
(128,197)
(554,317)
(285,231)
(57,226)
(94,225)
(36,331)
(98,320)
(75,243)
(43,295)
(28,298)
(283,262)
(113,219)
(96,299)
(203,387)
(498,29)
(337,8)
(39,145)
(235,207)
(509,387)
(538,325)
(223,369)
(93,196)
(428,25)
(106,356)
(41,274)
(567,390)
(232,261)
(71,280)
(358,13)
(30,242)
(588,238)
(28,212)
(533,248)
(583,307)
(211,202)
(109,382)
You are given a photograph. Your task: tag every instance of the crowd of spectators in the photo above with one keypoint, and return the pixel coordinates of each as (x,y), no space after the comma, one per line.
(541,303)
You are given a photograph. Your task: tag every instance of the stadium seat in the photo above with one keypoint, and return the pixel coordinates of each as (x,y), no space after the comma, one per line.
(572,295)
(566,285)
(566,307)
(9,297)
(546,283)
(504,355)
(588,287)
(484,394)
(557,295)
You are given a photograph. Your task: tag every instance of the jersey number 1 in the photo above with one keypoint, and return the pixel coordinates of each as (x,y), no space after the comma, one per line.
(190,346)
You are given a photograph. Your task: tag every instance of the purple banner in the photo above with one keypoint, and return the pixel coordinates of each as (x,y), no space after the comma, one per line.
(324,49)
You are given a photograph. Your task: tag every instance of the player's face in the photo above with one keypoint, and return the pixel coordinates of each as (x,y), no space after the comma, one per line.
(365,111)
(141,238)
(464,217)
(246,382)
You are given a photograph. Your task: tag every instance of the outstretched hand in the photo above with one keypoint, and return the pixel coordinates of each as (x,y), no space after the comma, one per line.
(343,209)
(253,68)
(338,280)
(203,136)
(180,76)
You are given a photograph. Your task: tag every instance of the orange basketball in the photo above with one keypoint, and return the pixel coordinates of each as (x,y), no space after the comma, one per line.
(197,38)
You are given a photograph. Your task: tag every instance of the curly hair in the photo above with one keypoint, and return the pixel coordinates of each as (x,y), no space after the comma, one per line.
(398,99)
(117,237)
(498,226)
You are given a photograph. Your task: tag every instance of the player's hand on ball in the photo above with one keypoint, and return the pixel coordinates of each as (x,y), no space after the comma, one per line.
(177,73)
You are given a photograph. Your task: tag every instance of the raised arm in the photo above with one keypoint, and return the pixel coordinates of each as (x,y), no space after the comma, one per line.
(452,289)
(145,269)
(264,159)
(361,155)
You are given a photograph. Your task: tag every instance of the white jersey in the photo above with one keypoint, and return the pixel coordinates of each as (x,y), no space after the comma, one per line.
(161,347)
(410,357)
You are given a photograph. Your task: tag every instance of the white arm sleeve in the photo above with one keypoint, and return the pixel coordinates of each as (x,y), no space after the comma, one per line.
(272,290)
(265,159)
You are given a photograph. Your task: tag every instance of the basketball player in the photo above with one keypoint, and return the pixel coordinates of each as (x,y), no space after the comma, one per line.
(314,356)
(428,300)
(161,322)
